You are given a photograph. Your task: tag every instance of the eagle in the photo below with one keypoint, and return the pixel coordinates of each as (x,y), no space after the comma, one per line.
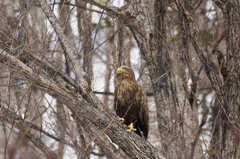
(130,102)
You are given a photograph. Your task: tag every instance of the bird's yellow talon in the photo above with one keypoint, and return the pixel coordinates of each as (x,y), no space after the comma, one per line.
(121,119)
(131,128)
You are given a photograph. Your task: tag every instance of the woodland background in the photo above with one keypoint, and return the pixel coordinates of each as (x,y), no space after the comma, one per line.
(57,62)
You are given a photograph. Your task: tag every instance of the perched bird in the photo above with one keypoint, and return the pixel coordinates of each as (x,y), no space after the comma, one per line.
(130,102)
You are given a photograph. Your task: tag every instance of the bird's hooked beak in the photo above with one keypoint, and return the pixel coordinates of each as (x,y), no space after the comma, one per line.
(119,70)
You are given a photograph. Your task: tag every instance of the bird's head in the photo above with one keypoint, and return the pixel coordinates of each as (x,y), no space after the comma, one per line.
(125,72)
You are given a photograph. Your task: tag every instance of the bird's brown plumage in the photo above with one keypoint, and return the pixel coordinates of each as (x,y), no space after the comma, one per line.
(130,101)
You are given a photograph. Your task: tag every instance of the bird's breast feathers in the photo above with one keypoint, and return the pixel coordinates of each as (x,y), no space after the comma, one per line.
(126,91)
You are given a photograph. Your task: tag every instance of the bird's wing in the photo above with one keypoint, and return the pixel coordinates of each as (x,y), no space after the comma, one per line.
(143,111)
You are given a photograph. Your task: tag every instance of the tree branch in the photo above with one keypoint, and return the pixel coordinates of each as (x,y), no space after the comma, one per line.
(10,116)
(102,122)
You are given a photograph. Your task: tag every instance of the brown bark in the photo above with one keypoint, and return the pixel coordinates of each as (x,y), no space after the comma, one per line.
(86,109)
(191,52)
(228,99)
(85,31)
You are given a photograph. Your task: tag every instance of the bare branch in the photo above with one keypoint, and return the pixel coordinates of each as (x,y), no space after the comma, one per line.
(83,111)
